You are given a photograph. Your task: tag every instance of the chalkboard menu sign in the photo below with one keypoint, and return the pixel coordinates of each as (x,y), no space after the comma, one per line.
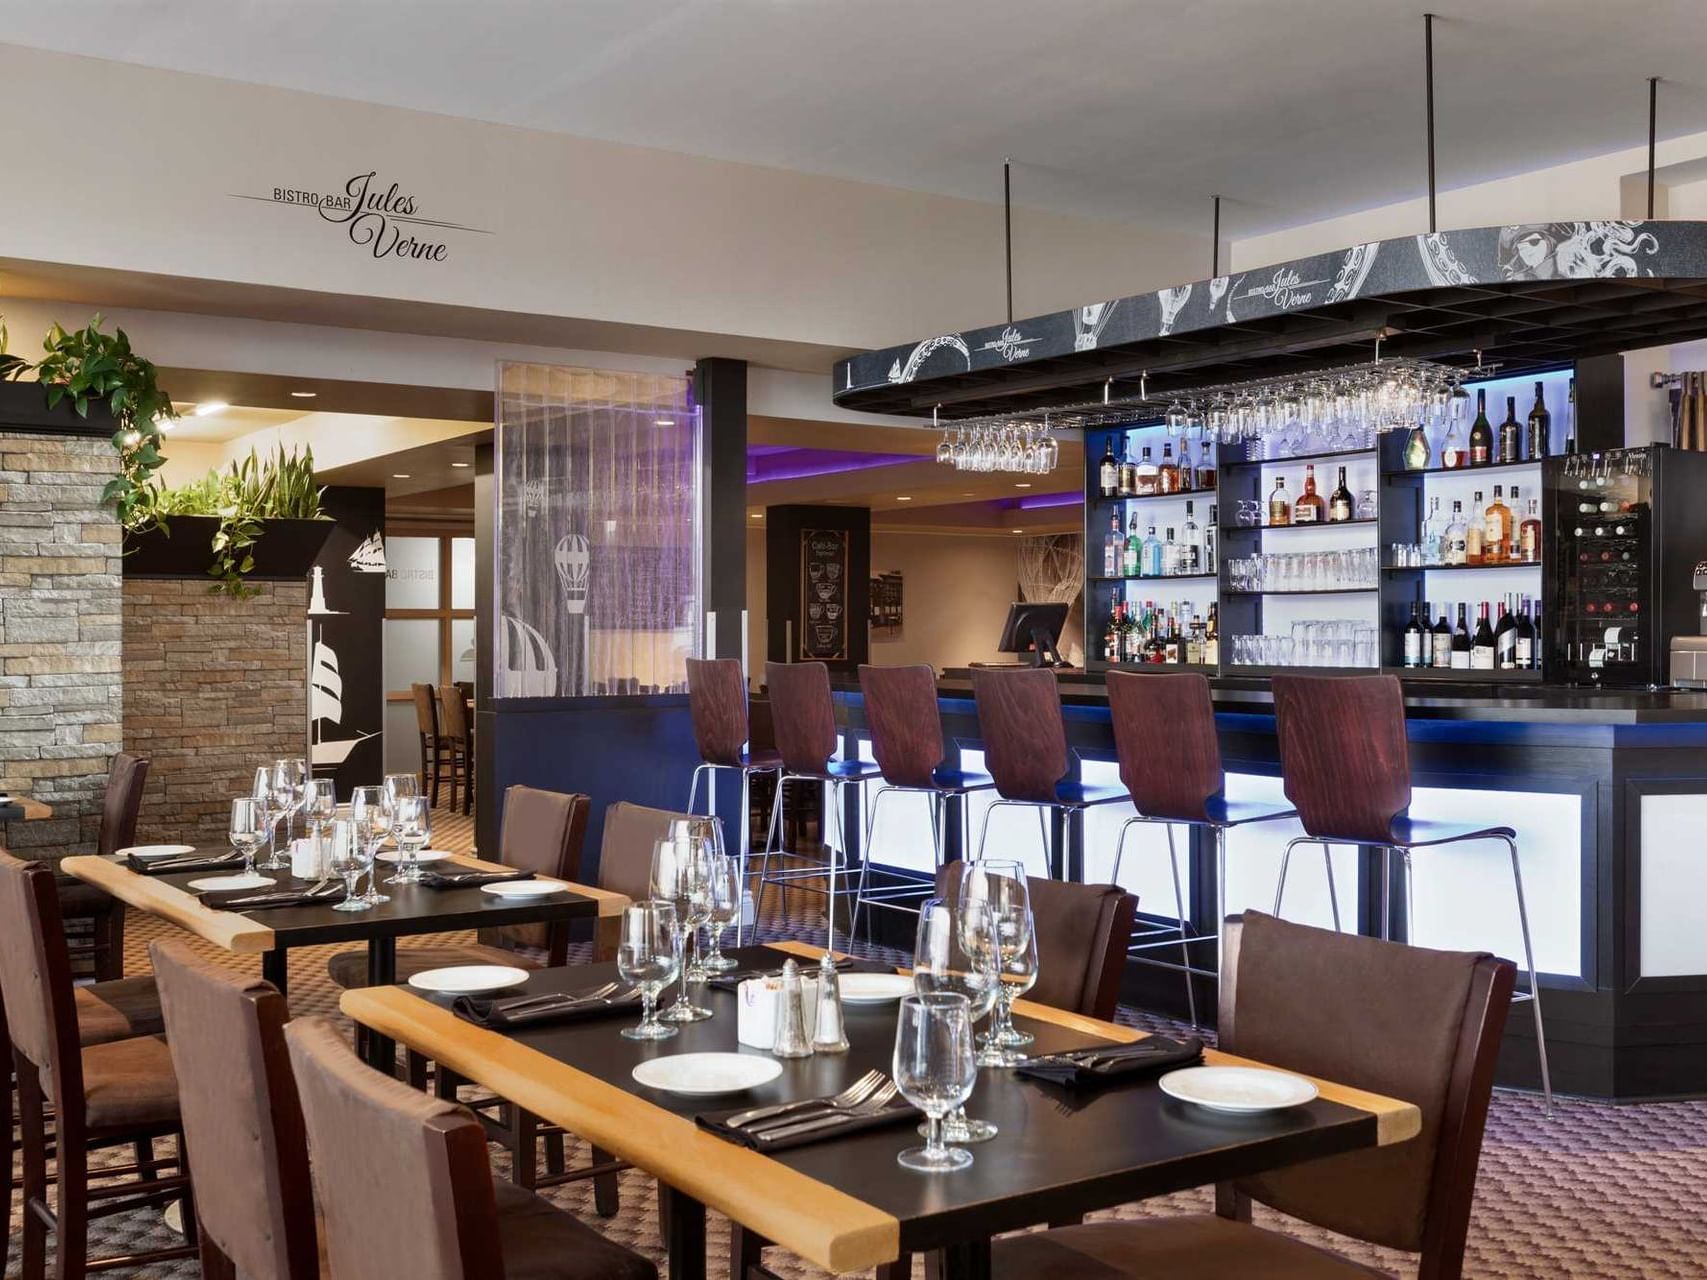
(823,595)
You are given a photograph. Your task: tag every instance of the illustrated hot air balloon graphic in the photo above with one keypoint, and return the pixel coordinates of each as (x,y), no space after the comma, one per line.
(574,559)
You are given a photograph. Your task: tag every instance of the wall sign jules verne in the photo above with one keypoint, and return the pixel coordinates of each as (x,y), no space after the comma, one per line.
(377,215)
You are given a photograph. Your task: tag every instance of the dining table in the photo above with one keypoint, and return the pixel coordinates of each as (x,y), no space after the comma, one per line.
(411,910)
(844,1203)
(24,809)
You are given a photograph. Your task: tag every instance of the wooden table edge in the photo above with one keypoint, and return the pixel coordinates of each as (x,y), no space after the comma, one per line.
(818,1222)
(229,929)
(32,810)
(1395,1120)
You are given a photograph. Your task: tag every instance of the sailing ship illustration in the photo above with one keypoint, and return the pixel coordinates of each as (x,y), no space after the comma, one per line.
(369,556)
(325,689)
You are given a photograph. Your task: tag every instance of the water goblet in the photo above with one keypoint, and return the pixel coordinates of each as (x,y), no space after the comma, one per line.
(372,823)
(956,950)
(262,794)
(290,776)
(248,832)
(681,876)
(647,955)
(319,804)
(1001,884)
(934,1069)
(345,857)
(725,911)
(411,826)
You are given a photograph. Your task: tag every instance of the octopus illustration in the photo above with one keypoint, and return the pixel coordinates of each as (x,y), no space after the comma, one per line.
(1440,262)
(1574,250)
(1353,272)
(924,351)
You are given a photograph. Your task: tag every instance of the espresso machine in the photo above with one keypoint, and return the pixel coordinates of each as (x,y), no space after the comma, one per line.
(1689,653)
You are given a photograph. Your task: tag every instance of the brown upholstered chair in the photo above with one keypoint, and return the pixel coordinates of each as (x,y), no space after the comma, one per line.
(433,760)
(406,1188)
(113,1093)
(803,717)
(1427,1030)
(1025,750)
(1179,783)
(456,734)
(1081,940)
(1355,788)
(717,703)
(242,1120)
(120,804)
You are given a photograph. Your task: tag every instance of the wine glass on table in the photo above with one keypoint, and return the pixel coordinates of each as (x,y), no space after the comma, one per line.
(248,832)
(345,858)
(319,805)
(956,951)
(935,1071)
(1001,884)
(647,954)
(725,910)
(373,823)
(681,876)
(411,827)
(262,794)
(290,779)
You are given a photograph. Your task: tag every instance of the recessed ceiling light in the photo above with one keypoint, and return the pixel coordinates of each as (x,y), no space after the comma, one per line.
(903,497)
(462,464)
(663,422)
(404,475)
(758,515)
(1019,530)
(1024,484)
(207,407)
(304,395)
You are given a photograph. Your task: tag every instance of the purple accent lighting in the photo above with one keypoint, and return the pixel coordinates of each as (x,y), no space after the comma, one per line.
(1038,501)
(769,462)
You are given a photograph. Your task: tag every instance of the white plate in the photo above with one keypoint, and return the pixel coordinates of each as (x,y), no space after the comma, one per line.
(238,881)
(147,851)
(521,888)
(1238,1090)
(874,988)
(426,855)
(465,979)
(708,1073)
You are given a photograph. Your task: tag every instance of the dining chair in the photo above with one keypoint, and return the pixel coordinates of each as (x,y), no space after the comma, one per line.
(1082,930)
(113,1093)
(1355,788)
(1409,1023)
(406,1188)
(432,747)
(457,735)
(121,802)
(242,1120)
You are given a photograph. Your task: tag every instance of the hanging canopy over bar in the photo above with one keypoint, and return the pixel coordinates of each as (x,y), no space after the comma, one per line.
(1532,296)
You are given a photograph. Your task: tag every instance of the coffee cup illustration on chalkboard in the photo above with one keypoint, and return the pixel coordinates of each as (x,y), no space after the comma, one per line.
(824,595)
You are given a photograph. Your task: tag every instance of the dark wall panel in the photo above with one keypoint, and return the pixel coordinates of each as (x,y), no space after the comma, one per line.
(347,687)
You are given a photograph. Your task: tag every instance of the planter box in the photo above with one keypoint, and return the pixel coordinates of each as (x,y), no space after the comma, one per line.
(285,550)
(23,407)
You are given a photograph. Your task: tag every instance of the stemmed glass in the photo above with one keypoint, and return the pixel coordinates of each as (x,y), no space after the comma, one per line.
(319,804)
(956,951)
(262,794)
(400,785)
(1002,885)
(725,910)
(648,953)
(373,824)
(934,1068)
(681,876)
(290,777)
(346,858)
(411,824)
(248,832)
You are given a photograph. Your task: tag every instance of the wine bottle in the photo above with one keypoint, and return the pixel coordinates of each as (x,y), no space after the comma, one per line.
(1461,640)
(1339,501)
(1309,509)
(1440,644)
(1108,471)
(1540,433)
(1523,647)
(1505,639)
(1414,637)
(1511,434)
(1482,646)
(1481,432)
(1571,415)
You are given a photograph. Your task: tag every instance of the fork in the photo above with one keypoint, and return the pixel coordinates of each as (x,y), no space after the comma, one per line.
(875,1105)
(545,997)
(853,1095)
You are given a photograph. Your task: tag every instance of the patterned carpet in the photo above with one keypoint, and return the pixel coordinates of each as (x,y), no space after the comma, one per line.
(1594,1191)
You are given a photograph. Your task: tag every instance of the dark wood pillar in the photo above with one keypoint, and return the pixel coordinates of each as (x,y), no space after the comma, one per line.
(720,390)
(1600,403)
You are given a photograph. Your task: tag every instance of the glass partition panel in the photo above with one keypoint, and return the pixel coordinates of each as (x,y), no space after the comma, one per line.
(598,532)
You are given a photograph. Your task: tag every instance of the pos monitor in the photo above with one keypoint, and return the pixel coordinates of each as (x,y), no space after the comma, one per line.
(1034,627)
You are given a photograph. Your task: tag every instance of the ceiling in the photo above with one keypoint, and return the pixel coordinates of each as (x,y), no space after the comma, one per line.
(227,423)
(1137,109)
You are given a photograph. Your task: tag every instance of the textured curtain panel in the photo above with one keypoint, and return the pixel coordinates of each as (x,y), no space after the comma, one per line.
(598,532)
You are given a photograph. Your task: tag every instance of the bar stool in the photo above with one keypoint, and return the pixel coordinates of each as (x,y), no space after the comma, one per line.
(1186,786)
(1355,788)
(1025,749)
(906,738)
(804,717)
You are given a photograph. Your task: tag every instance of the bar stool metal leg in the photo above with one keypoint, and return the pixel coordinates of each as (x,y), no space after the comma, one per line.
(770,846)
(1534,984)
(693,786)
(1185,938)
(1327,861)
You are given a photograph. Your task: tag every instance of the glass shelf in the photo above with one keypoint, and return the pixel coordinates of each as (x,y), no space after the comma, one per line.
(1155,577)
(1459,568)
(1227,464)
(1466,471)
(1283,528)
(1307,591)
(1156,497)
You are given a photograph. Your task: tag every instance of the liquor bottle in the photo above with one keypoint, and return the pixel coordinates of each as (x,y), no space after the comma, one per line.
(1505,639)
(1523,647)
(1111,633)
(1497,544)
(1167,475)
(1173,553)
(1156,646)
(1461,640)
(1481,433)
(1540,432)
(1212,638)
(1339,501)
(1432,533)
(1187,469)
(1279,508)
(1309,509)
(1452,455)
(1417,453)
(1440,644)
(1191,544)
(1482,647)
(1128,473)
(1571,416)
(1511,433)
(1211,538)
(1172,643)
(1145,477)
(1454,548)
(1150,558)
(1205,465)
(1194,642)
(1131,637)
(1114,548)
(1134,550)
(1108,471)
(1414,637)
(1529,533)
(1473,531)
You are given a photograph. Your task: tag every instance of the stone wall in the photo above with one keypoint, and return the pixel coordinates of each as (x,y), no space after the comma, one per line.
(60,690)
(213,688)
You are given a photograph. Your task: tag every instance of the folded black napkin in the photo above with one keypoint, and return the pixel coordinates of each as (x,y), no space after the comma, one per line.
(541,1007)
(776,1136)
(273,899)
(182,863)
(1109,1063)
(732,980)
(469,879)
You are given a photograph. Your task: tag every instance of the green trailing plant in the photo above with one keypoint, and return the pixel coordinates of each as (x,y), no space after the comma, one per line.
(10,366)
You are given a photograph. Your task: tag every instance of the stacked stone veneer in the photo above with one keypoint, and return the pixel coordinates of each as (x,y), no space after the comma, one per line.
(61,696)
(213,687)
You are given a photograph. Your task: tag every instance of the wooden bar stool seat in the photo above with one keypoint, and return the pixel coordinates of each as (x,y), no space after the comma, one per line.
(1355,788)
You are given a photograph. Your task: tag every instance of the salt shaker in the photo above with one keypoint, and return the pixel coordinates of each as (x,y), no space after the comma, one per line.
(791,1041)
(829,1035)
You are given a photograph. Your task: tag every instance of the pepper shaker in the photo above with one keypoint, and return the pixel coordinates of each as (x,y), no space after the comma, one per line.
(829,1035)
(791,1041)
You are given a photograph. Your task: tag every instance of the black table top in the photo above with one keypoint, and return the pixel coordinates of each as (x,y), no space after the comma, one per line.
(1058,1153)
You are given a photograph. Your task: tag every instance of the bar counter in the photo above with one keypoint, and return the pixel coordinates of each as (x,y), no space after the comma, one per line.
(1606,788)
